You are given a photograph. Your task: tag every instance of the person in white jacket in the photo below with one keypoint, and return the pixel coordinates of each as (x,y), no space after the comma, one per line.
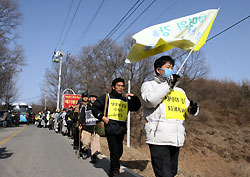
(165,109)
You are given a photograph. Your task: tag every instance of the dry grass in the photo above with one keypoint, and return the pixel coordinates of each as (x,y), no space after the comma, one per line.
(217,142)
(212,148)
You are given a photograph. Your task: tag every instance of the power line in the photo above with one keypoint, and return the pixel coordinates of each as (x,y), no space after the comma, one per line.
(111,32)
(165,11)
(228,28)
(221,32)
(64,23)
(127,27)
(135,20)
(72,20)
(126,19)
(29,98)
(88,26)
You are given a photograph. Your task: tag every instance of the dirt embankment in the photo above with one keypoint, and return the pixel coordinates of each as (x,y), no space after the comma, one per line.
(213,148)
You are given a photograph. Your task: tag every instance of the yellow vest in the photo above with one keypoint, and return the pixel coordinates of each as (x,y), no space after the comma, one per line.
(175,105)
(117,109)
(37,117)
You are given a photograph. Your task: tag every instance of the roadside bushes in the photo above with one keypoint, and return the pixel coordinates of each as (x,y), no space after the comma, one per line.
(225,98)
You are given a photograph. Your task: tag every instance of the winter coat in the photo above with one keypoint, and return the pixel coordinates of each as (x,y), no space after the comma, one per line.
(82,119)
(159,129)
(5,116)
(114,127)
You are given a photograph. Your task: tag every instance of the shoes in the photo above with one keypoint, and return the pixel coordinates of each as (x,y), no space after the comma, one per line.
(75,147)
(84,154)
(94,158)
(114,173)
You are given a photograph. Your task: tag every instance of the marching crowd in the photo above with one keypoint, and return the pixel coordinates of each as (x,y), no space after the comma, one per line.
(166,107)
(79,123)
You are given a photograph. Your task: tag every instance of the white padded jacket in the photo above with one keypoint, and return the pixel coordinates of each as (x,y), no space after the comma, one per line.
(159,130)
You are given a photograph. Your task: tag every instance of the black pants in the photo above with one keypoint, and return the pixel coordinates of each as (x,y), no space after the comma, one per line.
(69,127)
(115,143)
(164,160)
(76,136)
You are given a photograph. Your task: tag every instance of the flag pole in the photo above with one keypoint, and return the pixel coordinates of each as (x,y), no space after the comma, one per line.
(186,58)
(128,119)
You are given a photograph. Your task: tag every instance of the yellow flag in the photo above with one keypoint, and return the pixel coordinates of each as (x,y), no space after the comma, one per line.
(184,33)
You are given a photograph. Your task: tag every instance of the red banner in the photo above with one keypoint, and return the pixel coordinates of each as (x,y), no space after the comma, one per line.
(71,100)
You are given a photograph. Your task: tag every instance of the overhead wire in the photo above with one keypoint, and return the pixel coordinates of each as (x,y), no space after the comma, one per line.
(67,16)
(28,98)
(83,35)
(228,28)
(135,20)
(94,51)
(116,26)
(216,35)
(126,19)
(72,20)
(164,12)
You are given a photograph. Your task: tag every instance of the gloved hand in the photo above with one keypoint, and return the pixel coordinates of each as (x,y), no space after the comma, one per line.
(172,79)
(193,107)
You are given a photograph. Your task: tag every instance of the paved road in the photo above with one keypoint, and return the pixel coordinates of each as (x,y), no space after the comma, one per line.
(28,151)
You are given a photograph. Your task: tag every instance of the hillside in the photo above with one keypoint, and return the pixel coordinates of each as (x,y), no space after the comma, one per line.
(210,150)
(217,140)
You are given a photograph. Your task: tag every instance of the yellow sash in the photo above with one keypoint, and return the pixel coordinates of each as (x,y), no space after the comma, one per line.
(175,105)
(117,109)
(37,117)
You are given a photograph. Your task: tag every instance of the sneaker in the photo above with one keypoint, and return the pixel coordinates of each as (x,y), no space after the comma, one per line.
(84,154)
(94,158)
(114,173)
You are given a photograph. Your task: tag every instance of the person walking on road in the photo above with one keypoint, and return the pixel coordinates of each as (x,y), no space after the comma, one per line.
(68,117)
(51,121)
(166,108)
(5,119)
(64,123)
(56,120)
(9,119)
(115,120)
(78,109)
(89,138)
(17,119)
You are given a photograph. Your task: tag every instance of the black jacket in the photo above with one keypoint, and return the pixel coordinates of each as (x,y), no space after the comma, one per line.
(82,120)
(114,127)
(69,117)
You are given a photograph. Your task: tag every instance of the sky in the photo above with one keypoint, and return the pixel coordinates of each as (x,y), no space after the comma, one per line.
(43,20)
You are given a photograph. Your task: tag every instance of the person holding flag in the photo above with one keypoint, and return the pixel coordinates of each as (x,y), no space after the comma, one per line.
(165,109)
(166,105)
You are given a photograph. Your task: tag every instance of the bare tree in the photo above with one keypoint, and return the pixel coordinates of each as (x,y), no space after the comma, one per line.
(69,81)
(95,67)
(98,66)
(194,68)
(11,54)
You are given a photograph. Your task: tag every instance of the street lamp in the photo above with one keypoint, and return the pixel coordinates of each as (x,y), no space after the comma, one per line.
(57,58)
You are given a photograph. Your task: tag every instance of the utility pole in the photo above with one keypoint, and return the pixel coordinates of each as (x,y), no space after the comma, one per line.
(45,101)
(58,59)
